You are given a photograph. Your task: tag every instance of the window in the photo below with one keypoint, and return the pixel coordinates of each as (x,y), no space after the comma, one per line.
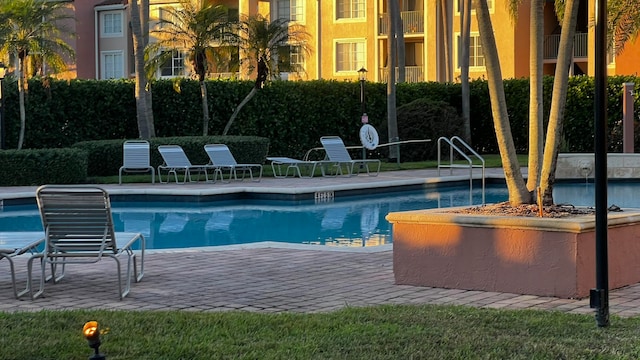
(112,24)
(290,9)
(174,66)
(476,55)
(290,59)
(350,9)
(112,65)
(350,56)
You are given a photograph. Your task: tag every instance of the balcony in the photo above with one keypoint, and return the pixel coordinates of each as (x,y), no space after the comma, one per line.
(412,21)
(413,74)
(552,44)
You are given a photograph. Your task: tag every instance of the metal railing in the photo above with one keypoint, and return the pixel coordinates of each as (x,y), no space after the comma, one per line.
(552,45)
(452,165)
(412,74)
(412,22)
(307,155)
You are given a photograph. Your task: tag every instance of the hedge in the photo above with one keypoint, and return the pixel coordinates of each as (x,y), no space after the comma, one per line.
(293,115)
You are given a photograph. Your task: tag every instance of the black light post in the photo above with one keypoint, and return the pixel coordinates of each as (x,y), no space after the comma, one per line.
(3,72)
(362,76)
(599,297)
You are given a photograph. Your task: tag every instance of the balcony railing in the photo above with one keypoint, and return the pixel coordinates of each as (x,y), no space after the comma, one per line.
(552,44)
(412,74)
(412,22)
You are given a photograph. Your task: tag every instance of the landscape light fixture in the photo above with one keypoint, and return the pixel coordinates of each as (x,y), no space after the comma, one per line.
(91,332)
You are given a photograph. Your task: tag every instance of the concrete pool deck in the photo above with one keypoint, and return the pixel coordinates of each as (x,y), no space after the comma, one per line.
(271,277)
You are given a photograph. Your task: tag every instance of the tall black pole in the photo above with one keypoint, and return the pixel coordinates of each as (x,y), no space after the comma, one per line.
(600,295)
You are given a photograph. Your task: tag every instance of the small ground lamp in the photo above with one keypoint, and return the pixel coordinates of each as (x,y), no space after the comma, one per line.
(3,73)
(91,332)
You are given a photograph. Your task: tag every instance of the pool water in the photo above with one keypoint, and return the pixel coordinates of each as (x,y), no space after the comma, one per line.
(347,221)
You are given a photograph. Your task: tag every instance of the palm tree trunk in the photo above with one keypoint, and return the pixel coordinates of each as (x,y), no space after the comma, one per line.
(392,118)
(536,126)
(446,50)
(144,17)
(558,100)
(246,99)
(400,46)
(465,39)
(518,193)
(22,88)
(205,108)
(145,127)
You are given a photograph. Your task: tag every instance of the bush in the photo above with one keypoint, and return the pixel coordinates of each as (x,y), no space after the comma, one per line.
(38,167)
(105,156)
(424,119)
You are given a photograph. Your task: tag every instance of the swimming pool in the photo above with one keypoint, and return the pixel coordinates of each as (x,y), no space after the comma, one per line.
(354,221)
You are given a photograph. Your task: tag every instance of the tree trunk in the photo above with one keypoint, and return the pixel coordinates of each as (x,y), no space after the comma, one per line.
(446,46)
(401,52)
(558,100)
(205,108)
(246,99)
(392,118)
(465,39)
(536,126)
(144,17)
(145,121)
(22,88)
(518,193)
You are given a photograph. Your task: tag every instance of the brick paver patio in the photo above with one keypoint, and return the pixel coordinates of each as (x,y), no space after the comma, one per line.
(269,278)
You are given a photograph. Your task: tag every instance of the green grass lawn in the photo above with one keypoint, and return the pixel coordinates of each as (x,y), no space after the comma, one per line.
(382,332)
(491,161)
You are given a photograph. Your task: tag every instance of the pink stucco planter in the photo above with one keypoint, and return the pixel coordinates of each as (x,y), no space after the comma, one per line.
(523,255)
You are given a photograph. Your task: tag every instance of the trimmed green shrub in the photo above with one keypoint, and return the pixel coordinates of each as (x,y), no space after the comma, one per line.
(105,156)
(293,115)
(46,166)
(425,119)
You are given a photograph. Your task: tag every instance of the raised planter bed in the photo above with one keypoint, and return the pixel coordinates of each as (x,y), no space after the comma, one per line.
(523,255)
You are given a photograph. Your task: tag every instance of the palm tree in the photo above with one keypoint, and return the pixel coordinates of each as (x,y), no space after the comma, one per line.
(518,193)
(140,31)
(536,126)
(558,100)
(261,41)
(196,29)
(392,116)
(465,39)
(35,27)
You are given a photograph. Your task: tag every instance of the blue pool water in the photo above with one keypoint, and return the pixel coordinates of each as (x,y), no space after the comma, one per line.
(348,221)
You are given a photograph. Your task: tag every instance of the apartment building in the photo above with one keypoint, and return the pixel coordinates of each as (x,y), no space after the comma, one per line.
(348,35)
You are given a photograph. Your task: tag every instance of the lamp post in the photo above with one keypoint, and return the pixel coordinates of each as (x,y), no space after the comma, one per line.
(3,72)
(362,76)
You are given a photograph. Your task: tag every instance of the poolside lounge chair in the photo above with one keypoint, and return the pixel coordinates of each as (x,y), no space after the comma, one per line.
(281,167)
(135,158)
(17,243)
(222,158)
(79,230)
(176,160)
(338,155)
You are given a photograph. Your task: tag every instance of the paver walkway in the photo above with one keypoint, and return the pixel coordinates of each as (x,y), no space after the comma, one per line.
(269,279)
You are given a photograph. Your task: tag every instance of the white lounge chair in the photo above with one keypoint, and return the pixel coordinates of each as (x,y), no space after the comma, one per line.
(135,158)
(222,158)
(79,230)
(17,243)
(282,166)
(176,160)
(338,156)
